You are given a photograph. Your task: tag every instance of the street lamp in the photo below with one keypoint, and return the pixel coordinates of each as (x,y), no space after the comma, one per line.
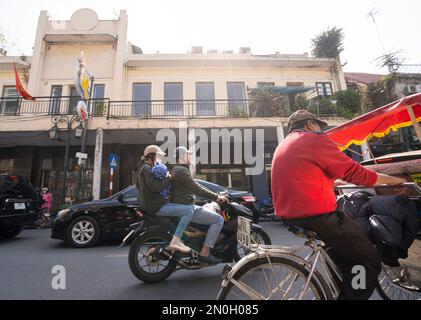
(54,134)
(79,130)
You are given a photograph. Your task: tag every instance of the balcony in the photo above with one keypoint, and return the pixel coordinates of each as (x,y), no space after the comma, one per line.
(151,109)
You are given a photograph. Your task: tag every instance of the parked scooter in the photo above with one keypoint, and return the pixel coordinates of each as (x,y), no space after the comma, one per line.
(151,261)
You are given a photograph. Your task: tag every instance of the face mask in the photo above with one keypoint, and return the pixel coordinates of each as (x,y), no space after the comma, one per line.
(158,160)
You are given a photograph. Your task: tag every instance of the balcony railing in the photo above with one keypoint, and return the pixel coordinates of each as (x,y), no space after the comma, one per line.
(151,109)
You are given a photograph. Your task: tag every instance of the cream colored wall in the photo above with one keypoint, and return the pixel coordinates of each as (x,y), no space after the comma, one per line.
(6,79)
(60,63)
(220,77)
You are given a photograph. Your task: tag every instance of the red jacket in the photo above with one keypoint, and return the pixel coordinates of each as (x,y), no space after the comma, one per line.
(304,168)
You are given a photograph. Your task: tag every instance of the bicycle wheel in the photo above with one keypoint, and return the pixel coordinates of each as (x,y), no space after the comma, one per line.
(276,278)
(394,284)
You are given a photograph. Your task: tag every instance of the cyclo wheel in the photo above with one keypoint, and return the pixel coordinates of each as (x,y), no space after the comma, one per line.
(143,261)
(392,285)
(276,278)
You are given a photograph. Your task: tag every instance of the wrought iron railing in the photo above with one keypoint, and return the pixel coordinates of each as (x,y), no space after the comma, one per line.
(150,109)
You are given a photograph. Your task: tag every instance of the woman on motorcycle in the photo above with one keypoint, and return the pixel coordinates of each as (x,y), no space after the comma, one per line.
(152,200)
(184,190)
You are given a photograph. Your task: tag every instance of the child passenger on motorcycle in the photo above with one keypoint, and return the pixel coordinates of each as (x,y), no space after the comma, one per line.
(184,190)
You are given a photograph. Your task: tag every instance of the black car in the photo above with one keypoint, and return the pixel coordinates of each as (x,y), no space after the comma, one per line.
(19,204)
(83,225)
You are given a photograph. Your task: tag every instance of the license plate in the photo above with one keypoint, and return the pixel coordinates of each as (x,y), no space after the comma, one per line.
(244,231)
(19,206)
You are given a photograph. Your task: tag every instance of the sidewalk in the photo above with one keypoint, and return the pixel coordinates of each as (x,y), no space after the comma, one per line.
(414,259)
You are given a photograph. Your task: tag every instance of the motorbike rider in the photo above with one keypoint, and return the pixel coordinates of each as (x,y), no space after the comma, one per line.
(184,191)
(304,167)
(154,202)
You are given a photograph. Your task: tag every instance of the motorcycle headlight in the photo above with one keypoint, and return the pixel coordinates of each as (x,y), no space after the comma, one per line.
(62,213)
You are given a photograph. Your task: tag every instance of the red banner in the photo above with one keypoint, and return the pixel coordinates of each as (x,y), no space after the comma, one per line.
(377,123)
(19,88)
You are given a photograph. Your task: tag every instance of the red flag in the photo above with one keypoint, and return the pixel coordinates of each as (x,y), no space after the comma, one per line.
(377,123)
(19,88)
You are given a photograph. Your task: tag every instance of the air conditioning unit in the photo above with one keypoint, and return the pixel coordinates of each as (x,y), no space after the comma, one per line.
(197,49)
(212,51)
(245,50)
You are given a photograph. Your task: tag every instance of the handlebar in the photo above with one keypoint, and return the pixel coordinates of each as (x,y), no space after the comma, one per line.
(410,185)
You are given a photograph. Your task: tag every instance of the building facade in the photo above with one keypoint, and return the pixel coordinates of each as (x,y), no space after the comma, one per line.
(136,95)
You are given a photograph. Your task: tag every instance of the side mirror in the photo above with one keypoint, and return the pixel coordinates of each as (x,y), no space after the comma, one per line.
(120,198)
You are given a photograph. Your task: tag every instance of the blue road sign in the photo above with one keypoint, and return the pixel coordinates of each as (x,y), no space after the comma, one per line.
(113,160)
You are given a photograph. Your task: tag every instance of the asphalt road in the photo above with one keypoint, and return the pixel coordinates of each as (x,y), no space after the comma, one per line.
(102,272)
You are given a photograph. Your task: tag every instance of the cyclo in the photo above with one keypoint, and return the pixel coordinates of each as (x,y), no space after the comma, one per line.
(306,272)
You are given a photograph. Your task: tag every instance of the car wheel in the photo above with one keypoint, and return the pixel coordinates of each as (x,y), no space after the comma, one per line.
(11,233)
(83,232)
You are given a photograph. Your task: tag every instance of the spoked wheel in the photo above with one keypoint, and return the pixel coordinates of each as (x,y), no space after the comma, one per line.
(394,284)
(275,279)
(41,222)
(258,236)
(144,260)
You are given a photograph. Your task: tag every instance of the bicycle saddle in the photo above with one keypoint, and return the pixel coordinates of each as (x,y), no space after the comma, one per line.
(302,232)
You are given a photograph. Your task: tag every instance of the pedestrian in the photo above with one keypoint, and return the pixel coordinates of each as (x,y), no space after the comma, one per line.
(48,200)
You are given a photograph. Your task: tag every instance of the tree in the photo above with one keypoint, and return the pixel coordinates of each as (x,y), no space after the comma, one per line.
(5,43)
(348,103)
(328,44)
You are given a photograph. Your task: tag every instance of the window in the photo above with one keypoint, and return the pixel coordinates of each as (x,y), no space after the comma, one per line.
(98,107)
(173,95)
(131,194)
(142,99)
(10,101)
(56,92)
(74,99)
(205,98)
(6,165)
(262,85)
(236,97)
(324,89)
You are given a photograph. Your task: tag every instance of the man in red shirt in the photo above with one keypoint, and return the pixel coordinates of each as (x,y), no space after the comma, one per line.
(304,168)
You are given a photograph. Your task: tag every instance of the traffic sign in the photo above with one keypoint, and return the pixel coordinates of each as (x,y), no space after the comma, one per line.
(113,160)
(81,155)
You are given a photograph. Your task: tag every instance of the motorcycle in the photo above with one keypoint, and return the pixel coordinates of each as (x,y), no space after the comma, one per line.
(150,260)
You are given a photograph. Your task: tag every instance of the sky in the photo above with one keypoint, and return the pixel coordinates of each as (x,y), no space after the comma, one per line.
(267,26)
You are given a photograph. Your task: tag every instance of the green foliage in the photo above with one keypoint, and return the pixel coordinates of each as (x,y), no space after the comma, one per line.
(348,103)
(391,61)
(266,103)
(238,111)
(329,43)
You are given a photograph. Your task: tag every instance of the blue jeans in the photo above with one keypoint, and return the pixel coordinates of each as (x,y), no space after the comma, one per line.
(184,212)
(212,219)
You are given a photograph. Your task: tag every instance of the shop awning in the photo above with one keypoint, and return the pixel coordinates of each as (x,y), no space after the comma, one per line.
(377,123)
(284,90)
